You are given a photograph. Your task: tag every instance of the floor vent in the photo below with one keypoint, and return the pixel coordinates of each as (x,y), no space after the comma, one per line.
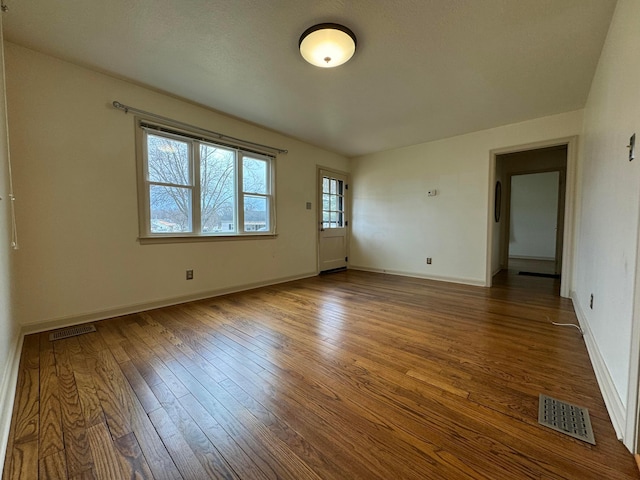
(565,418)
(71,332)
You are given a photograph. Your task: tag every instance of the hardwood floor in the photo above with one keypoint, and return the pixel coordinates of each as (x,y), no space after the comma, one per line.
(351,375)
(530,265)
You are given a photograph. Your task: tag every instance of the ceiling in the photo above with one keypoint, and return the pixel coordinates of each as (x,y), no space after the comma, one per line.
(424,69)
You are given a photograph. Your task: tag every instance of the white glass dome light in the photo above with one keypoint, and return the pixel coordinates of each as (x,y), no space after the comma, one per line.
(327,45)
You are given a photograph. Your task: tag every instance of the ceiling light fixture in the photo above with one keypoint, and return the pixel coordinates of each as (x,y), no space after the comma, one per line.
(327,45)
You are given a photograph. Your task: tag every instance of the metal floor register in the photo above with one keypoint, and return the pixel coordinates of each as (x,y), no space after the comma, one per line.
(565,418)
(71,332)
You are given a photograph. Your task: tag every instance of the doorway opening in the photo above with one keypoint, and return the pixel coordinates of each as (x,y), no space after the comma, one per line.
(531,222)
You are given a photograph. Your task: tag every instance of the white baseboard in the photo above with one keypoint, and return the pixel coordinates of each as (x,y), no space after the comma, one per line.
(7,395)
(72,320)
(525,257)
(464,281)
(612,400)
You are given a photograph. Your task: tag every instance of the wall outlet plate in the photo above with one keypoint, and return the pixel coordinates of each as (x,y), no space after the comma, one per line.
(189,274)
(632,147)
(432,193)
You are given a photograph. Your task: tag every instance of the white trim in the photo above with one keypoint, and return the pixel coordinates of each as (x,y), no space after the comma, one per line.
(632,425)
(61,322)
(491,210)
(527,257)
(465,281)
(611,397)
(8,396)
(630,439)
(569,207)
(194,143)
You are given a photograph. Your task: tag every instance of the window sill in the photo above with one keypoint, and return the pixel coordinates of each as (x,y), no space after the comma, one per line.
(203,238)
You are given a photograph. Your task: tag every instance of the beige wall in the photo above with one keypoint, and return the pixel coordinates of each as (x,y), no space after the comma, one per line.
(533,215)
(497,262)
(74,157)
(396,225)
(607,259)
(8,324)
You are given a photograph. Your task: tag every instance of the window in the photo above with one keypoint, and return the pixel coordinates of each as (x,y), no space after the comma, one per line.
(332,202)
(191,186)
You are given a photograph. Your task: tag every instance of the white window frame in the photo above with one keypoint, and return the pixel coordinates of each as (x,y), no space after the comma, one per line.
(194,140)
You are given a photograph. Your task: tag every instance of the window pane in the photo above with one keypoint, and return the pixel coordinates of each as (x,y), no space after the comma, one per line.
(170,209)
(217,189)
(332,187)
(325,184)
(326,201)
(254,175)
(256,214)
(168,160)
(333,204)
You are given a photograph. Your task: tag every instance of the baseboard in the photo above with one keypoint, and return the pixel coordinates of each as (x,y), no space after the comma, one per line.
(7,396)
(72,320)
(612,400)
(464,281)
(524,257)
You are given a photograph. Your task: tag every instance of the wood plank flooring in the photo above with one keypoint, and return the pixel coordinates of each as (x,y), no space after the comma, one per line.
(351,375)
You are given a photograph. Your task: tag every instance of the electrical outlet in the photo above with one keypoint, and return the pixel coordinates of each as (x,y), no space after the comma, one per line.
(432,193)
(189,274)
(591,302)
(428,260)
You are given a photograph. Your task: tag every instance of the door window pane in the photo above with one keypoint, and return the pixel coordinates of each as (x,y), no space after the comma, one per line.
(332,203)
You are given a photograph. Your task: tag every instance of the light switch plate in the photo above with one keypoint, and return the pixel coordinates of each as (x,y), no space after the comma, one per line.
(632,147)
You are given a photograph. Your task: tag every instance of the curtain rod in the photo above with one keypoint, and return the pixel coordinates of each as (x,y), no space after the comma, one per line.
(221,136)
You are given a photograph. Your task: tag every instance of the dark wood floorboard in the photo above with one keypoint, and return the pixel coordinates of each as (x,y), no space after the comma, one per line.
(351,375)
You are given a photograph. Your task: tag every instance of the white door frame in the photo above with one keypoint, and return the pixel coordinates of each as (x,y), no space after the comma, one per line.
(569,208)
(347,206)
(631,434)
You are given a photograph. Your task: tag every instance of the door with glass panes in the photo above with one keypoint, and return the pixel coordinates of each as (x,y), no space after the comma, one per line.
(333,223)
